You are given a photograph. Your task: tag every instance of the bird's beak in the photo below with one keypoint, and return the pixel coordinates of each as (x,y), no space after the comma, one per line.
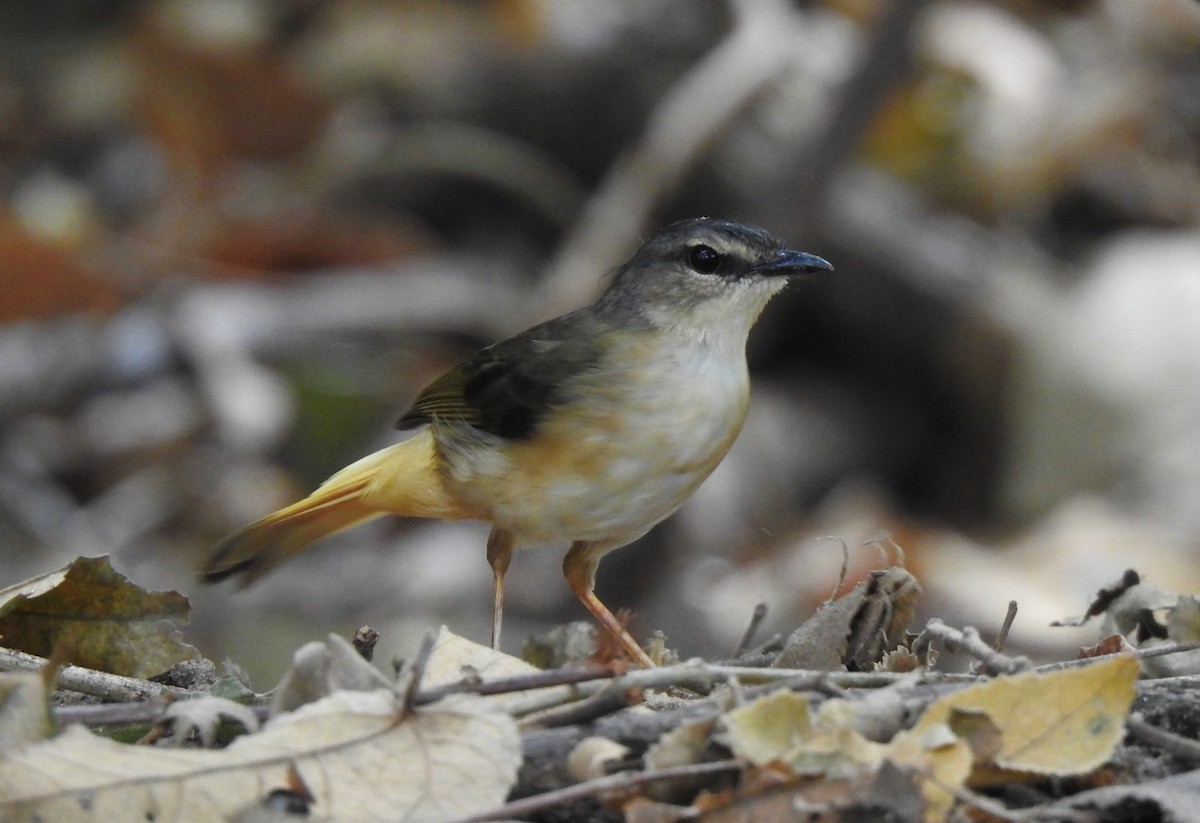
(788,262)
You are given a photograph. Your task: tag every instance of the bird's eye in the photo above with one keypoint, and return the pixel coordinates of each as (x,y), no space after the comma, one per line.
(704,259)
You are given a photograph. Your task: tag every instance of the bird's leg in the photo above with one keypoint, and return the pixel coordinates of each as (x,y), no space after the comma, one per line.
(499,553)
(579,567)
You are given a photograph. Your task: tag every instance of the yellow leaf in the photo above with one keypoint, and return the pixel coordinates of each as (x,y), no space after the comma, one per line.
(780,728)
(1064,722)
(770,728)
(942,759)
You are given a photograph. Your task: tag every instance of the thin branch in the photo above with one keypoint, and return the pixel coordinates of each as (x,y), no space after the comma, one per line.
(1140,654)
(969,641)
(683,126)
(756,619)
(1171,743)
(998,644)
(112,687)
(621,782)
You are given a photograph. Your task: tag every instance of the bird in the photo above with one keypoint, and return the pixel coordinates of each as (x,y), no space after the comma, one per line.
(585,430)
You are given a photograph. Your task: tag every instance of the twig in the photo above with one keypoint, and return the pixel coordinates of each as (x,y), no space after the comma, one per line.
(1141,654)
(621,782)
(756,619)
(844,572)
(1006,626)
(125,714)
(686,122)
(969,641)
(1002,637)
(418,672)
(987,805)
(518,683)
(604,702)
(887,62)
(112,687)
(1171,743)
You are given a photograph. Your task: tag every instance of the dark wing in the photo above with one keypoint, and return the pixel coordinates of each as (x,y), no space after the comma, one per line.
(507,388)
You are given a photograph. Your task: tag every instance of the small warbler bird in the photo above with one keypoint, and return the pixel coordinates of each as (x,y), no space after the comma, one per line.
(587,429)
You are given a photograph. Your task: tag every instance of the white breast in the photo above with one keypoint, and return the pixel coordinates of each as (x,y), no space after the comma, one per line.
(650,425)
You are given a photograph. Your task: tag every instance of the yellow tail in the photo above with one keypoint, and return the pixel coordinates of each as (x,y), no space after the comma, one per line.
(401,479)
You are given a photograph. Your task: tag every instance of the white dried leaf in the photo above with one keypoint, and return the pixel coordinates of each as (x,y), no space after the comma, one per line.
(359,759)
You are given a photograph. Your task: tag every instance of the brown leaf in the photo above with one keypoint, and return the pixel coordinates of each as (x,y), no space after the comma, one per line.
(856,629)
(98,617)
(40,280)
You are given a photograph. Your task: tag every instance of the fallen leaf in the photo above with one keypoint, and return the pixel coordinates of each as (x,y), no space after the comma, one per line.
(856,629)
(888,794)
(1061,723)
(683,745)
(321,668)
(594,757)
(940,759)
(202,716)
(25,715)
(455,657)
(780,727)
(769,728)
(98,617)
(353,752)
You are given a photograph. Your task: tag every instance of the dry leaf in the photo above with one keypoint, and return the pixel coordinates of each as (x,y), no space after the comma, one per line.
(683,745)
(1142,615)
(769,728)
(888,794)
(359,760)
(98,617)
(856,629)
(202,716)
(780,727)
(320,669)
(594,757)
(24,710)
(455,657)
(1060,723)
(940,758)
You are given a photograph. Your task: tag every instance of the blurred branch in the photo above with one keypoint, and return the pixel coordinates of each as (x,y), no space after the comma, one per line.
(691,116)
(886,62)
(530,176)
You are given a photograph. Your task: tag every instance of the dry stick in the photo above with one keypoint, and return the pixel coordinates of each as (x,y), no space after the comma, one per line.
(622,782)
(601,704)
(418,672)
(1006,626)
(1140,654)
(756,619)
(987,805)
(969,641)
(1171,743)
(103,685)
(1002,637)
(886,62)
(519,683)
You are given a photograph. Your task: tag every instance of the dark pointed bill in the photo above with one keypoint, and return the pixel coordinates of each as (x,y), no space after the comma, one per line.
(788,262)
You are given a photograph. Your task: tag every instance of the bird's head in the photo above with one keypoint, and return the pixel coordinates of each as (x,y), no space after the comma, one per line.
(706,277)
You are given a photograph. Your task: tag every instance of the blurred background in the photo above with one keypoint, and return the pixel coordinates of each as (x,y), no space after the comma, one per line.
(237,238)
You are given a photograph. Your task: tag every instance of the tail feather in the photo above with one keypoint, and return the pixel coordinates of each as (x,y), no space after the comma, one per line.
(260,547)
(399,480)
